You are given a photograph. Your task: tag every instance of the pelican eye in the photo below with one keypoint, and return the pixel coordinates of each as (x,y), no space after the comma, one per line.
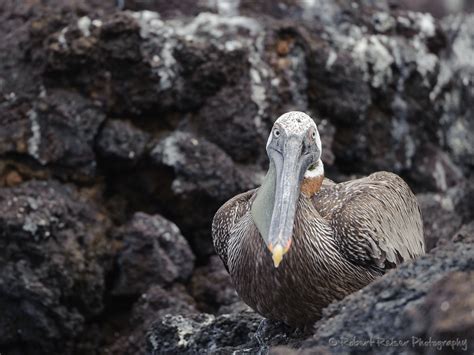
(276,132)
(312,167)
(313,135)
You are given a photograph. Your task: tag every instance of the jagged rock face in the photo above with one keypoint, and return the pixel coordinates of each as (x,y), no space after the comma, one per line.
(212,288)
(53,255)
(444,213)
(201,333)
(155,302)
(153,252)
(446,311)
(57,129)
(152,113)
(120,144)
(202,176)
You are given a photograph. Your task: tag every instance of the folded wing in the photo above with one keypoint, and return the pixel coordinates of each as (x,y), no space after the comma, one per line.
(376,220)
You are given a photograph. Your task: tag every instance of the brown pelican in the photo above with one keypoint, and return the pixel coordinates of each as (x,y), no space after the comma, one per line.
(300,241)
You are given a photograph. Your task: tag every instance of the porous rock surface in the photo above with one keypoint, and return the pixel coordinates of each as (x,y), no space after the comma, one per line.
(53,260)
(125,124)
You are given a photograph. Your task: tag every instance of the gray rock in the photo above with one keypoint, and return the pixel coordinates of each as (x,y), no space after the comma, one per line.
(440,218)
(212,288)
(201,333)
(53,255)
(435,170)
(455,91)
(57,129)
(153,251)
(227,120)
(203,177)
(156,302)
(465,232)
(444,213)
(445,314)
(167,9)
(121,144)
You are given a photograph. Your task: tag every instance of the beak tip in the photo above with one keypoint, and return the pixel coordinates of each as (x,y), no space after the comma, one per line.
(277,255)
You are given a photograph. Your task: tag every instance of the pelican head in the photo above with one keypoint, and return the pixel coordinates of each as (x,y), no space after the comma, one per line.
(294,150)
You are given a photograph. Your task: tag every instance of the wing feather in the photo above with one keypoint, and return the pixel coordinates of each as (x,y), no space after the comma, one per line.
(225,219)
(376,219)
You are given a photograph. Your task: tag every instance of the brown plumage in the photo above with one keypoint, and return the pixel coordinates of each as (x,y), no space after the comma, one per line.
(342,237)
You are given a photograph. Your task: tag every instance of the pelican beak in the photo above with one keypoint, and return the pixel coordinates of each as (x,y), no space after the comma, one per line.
(278,251)
(288,175)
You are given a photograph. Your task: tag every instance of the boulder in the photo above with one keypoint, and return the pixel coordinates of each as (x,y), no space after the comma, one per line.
(152,251)
(201,333)
(445,314)
(155,302)
(202,177)
(444,213)
(120,144)
(54,255)
(212,288)
(57,129)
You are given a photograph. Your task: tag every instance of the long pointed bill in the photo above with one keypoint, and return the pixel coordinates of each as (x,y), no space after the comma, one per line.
(286,197)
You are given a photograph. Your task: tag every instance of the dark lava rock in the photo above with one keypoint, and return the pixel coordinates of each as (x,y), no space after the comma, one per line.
(17,129)
(201,333)
(156,302)
(204,75)
(465,232)
(153,252)
(446,313)
(444,213)
(228,120)
(440,218)
(211,286)
(203,177)
(168,9)
(146,65)
(159,302)
(280,9)
(57,129)
(455,90)
(200,167)
(110,48)
(53,257)
(435,171)
(119,143)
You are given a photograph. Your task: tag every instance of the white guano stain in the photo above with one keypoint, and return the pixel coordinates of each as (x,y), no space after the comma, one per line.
(332,57)
(375,59)
(426,24)
(35,140)
(171,152)
(84,25)
(228,7)
(163,63)
(62,38)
